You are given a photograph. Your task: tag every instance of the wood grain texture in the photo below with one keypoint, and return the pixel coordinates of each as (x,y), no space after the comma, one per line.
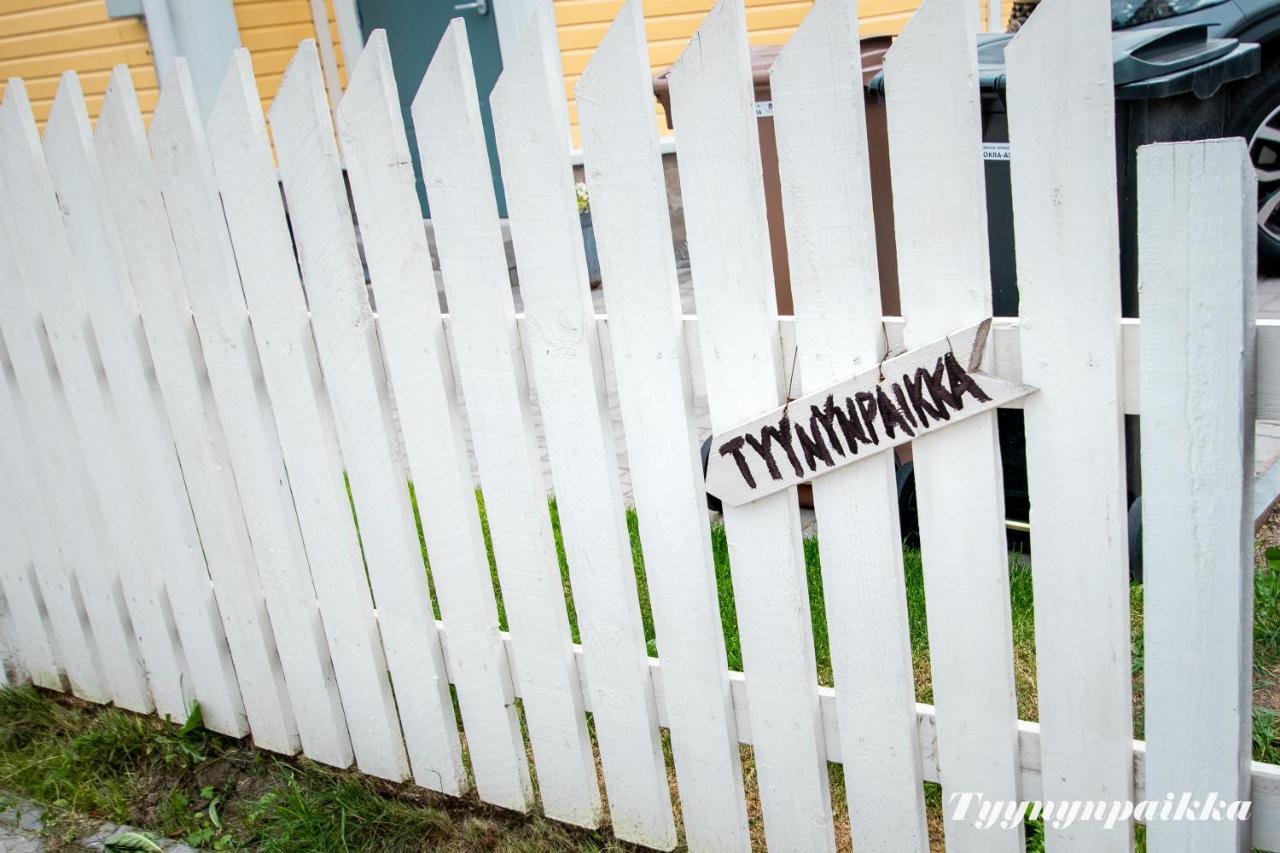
(719,155)
(38,468)
(490,361)
(259,232)
(380,170)
(564,358)
(131,187)
(121,347)
(185,174)
(352,365)
(1197,238)
(32,642)
(629,214)
(823,164)
(1062,123)
(931,83)
(126,586)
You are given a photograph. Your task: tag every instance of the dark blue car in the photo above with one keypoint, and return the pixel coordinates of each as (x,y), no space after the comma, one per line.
(1253,110)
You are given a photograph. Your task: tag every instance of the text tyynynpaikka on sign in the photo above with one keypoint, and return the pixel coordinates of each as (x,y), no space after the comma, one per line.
(900,399)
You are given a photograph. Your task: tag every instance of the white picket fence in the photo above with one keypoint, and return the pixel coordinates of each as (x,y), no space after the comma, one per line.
(182,395)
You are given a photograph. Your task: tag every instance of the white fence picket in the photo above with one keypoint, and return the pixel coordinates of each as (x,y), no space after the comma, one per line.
(275,382)
(826,186)
(35,457)
(719,155)
(255,218)
(13,672)
(73,167)
(564,355)
(629,215)
(1197,204)
(489,358)
(1061,121)
(130,185)
(380,170)
(345,336)
(129,578)
(32,641)
(931,83)
(185,176)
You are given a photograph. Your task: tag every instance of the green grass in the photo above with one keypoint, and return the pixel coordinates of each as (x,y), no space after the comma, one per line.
(215,792)
(85,761)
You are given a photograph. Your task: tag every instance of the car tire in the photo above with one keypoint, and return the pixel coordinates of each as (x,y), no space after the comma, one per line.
(908,513)
(1255,106)
(1135,540)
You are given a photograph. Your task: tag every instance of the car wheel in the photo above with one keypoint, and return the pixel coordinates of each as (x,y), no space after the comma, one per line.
(1135,540)
(1255,115)
(908,513)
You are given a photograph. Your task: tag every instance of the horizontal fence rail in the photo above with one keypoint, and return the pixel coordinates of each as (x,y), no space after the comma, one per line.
(250,460)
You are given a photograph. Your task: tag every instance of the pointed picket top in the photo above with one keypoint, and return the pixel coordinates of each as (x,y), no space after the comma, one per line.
(449,89)
(120,113)
(304,79)
(237,95)
(931,80)
(372,80)
(717,53)
(816,90)
(614,60)
(712,101)
(177,111)
(527,106)
(1038,48)
(620,144)
(68,114)
(445,85)
(537,56)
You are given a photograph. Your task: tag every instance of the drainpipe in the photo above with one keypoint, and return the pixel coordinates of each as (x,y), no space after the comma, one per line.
(204,32)
(164,46)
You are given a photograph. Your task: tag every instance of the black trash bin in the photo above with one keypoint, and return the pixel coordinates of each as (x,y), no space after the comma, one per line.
(1169,88)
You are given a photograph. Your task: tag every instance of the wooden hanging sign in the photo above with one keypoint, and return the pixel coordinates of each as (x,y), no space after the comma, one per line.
(904,397)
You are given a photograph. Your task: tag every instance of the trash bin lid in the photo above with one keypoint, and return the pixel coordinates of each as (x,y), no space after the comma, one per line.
(873,49)
(1154,62)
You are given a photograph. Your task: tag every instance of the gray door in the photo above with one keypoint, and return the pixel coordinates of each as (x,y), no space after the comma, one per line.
(414,28)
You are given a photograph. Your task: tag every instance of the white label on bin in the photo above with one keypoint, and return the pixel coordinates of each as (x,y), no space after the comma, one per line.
(764,108)
(995,151)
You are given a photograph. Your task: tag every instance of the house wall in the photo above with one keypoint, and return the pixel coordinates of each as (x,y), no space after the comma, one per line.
(581,24)
(271,29)
(39,39)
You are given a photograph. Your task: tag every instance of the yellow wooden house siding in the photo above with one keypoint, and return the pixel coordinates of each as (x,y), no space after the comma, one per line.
(669,24)
(271,29)
(40,39)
